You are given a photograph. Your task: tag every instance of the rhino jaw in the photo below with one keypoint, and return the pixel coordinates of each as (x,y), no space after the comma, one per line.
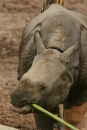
(24,110)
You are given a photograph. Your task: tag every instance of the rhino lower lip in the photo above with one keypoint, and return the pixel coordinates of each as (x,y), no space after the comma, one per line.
(24,110)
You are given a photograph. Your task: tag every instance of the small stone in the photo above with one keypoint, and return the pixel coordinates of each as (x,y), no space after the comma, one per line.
(28,19)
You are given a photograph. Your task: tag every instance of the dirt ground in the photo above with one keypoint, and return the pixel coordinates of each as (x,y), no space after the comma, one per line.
(14,15)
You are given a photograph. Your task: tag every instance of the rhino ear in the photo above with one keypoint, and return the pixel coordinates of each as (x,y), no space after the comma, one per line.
(38,42)
(65,56)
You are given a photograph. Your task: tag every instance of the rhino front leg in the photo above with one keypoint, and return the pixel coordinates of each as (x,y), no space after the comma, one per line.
(43,122)
(59,111)
(74,115)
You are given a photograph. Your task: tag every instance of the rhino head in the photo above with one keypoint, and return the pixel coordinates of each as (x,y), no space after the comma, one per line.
(47,83)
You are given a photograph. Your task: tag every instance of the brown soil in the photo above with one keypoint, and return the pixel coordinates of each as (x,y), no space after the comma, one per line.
(14,15)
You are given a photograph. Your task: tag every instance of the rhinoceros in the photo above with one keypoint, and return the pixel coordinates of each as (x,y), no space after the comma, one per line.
(52,67)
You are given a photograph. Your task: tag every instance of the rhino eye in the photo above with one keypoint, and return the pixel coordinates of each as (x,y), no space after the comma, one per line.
(43,87)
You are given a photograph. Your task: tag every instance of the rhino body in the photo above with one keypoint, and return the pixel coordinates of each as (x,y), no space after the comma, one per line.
(53,68)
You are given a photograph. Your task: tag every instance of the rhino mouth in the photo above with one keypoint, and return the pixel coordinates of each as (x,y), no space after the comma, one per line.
(24,110)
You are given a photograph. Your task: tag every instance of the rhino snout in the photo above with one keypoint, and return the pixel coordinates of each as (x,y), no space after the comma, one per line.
(21,101)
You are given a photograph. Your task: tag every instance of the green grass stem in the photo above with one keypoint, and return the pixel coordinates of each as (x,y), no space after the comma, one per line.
(54,116)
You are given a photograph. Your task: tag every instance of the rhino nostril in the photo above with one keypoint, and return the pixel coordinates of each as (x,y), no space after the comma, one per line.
(24,102)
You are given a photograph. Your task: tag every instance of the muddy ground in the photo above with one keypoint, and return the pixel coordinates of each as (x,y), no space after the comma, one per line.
(14,15)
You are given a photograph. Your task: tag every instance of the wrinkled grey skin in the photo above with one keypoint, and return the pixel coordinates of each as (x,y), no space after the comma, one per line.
(52,68)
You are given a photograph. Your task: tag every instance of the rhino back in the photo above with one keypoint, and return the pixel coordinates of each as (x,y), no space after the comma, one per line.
(51,11)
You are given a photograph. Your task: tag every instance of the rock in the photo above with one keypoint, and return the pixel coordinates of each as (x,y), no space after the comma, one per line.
(2,127)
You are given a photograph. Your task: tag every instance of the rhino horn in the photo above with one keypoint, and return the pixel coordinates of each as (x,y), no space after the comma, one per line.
(38,43)
(25,81)
(65,56)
